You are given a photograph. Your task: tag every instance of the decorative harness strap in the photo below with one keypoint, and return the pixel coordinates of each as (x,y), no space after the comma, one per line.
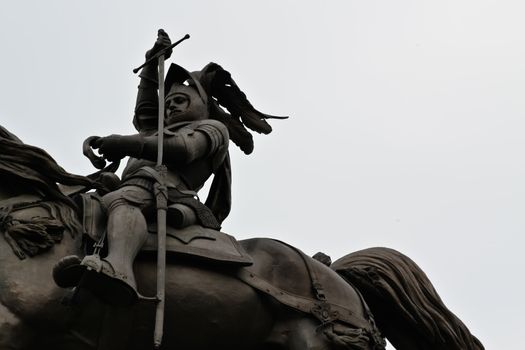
(322,309)
(298,302)
(325,311)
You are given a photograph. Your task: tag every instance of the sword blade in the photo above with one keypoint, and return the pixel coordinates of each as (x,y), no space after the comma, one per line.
(162,202)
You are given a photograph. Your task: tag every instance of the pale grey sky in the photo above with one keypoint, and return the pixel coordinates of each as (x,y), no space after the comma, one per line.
(406,125)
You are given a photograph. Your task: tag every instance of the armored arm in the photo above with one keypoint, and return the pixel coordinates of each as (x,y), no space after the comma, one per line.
(191,142)
(188,143)
(146,107)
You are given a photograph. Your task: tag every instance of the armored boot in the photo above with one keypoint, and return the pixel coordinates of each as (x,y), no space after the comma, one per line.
(112,278)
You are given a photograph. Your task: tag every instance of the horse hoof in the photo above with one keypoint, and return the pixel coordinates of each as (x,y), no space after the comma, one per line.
(67,272)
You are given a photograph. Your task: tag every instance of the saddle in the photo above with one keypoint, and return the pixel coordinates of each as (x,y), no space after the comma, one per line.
(193,241)
(264,264)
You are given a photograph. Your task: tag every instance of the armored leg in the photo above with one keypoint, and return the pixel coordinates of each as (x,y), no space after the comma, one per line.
(112,278)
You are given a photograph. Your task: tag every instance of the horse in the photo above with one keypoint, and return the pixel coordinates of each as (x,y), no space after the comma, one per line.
(284,300)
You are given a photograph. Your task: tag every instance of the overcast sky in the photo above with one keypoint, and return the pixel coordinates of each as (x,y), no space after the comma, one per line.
(406,126)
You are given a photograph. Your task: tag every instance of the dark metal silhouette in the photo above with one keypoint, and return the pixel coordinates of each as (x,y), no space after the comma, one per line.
(95,237)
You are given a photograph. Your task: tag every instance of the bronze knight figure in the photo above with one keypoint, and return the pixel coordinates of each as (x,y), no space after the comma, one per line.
(196,137)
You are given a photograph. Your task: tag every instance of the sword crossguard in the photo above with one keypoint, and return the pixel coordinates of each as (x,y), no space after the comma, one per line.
(161,52)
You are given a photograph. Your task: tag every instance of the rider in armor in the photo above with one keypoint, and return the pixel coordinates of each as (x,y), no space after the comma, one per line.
(195,147)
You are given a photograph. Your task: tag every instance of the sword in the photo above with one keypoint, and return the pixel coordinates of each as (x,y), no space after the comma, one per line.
(161,196)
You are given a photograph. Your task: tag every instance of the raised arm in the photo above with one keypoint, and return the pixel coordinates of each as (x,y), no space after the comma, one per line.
(146,108)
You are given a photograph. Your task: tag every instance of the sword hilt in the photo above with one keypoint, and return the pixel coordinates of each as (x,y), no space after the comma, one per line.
(161,52)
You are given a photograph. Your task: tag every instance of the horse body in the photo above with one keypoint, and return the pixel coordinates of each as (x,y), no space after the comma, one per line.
(206,307)
(209,307)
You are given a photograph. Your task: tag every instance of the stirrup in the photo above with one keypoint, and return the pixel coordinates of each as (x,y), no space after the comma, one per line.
(106,283)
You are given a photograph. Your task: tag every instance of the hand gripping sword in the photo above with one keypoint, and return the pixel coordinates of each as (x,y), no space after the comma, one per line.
(161,195)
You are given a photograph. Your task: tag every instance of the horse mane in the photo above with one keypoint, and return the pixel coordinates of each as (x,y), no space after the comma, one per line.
(35,167)
(405,303)
(30,169)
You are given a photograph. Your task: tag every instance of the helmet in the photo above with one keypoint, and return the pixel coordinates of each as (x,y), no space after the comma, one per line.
(183,103)
(180,82)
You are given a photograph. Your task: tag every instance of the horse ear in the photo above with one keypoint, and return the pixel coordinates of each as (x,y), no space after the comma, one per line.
(5,134)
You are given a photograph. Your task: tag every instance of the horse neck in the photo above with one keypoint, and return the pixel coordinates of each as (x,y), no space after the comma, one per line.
(27,287)
(5,193)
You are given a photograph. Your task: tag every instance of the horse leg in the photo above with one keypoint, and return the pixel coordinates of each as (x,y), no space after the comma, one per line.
(17,335)
(14,334)
(305,335)
(298,333)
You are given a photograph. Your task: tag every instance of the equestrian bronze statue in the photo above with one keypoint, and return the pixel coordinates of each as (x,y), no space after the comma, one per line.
(139,262)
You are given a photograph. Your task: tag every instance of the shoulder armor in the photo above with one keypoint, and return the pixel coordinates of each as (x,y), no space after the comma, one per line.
(216,131)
